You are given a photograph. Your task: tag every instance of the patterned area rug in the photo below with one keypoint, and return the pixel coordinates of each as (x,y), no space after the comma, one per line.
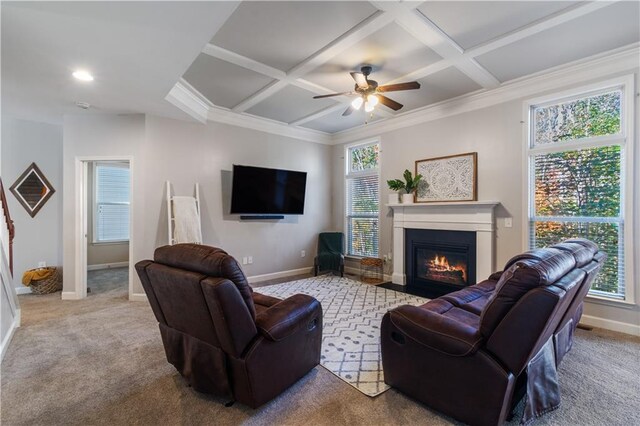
(352,313)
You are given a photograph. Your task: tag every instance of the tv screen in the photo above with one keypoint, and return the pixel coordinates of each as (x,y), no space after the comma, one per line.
(258,190)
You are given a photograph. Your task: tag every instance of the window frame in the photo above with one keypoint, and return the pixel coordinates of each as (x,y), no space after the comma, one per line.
(94,189)
(625,139)
(348,174)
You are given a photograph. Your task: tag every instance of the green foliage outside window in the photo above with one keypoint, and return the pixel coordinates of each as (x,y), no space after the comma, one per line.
(580,187)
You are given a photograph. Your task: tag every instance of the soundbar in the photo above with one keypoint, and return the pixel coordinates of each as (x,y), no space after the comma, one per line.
(262,217)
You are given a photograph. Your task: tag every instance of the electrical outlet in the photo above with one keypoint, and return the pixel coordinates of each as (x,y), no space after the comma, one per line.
(42,264)
(385,258)
(390,256)
(244,260)
(508,222)
(303,253)
(250,260)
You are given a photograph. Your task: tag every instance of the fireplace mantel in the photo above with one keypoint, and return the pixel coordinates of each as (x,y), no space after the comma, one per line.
(475,216)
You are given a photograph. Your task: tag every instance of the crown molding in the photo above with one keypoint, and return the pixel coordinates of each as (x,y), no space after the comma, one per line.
(189,100)
(577,72)
(226,116)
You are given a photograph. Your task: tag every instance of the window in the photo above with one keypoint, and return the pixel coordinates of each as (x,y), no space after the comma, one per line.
(111,213)
(576,156)
(363,199)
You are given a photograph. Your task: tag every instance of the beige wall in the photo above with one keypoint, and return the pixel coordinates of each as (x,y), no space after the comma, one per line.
(185,153)
(39,238)
(101,253)
(496,134)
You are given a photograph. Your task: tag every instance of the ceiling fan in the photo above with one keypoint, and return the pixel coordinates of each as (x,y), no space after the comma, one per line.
(369,93)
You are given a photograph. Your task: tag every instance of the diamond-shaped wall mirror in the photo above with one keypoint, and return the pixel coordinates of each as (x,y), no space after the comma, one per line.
(32,189)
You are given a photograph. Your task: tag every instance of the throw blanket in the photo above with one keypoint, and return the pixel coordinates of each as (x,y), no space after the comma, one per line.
(330,249)
(36,275)
(187,221)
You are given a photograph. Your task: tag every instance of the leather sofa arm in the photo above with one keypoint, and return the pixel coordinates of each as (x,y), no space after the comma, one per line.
(288,316)
(435,331)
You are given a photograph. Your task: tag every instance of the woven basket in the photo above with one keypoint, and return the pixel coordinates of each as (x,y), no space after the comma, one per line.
(48,285)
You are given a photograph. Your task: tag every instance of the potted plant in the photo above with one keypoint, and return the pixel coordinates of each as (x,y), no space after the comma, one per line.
(409,186)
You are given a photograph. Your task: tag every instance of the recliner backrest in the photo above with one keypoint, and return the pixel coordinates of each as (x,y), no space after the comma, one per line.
(523,273)
(533,297)
(209,261)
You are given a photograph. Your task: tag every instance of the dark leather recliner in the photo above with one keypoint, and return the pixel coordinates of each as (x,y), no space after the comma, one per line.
(222,337)
(474,353)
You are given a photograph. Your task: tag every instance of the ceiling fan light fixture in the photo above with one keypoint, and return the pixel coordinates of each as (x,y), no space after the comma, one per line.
(368,106)
(372,100)
(357,102)
(82,75)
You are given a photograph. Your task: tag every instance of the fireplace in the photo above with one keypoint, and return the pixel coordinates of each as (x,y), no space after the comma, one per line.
(439,262)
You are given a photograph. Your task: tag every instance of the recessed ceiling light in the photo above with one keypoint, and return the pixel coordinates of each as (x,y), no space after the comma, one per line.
(82,75)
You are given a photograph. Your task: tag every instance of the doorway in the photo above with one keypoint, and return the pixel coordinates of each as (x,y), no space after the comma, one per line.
(103,266)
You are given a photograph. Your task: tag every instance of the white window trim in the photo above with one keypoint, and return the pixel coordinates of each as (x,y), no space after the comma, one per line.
(94,198)
(627,140)
(349,175)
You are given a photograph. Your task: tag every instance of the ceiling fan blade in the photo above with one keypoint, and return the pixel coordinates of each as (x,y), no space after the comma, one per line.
(333,94)
(389,102)
(412,85)
(360,79)
(348,111)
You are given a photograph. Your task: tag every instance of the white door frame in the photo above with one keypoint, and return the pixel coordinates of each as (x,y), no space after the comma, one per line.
(81,223)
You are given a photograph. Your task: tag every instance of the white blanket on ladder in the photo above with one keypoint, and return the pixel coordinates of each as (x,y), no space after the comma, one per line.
(186,221)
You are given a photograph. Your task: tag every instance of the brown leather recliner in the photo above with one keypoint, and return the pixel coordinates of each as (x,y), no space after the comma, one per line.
(474,353)
(221,336)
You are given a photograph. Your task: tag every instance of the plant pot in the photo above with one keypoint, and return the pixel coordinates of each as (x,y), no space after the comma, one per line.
(394,198)
(407,198)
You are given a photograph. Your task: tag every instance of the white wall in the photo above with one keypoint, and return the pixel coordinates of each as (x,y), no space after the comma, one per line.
(100,254)
(185,153)
(39,238)
(496,134)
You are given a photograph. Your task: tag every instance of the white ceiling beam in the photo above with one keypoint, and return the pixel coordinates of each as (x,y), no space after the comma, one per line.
(433,37)
(367,27)
(318,114)
(546,23)
(243,61)
(364,29)
(260,95)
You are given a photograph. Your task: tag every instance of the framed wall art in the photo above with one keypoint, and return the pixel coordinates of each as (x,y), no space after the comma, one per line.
(32,189)
(450,178)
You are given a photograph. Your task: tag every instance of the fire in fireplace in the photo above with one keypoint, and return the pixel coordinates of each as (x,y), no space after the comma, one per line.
(439,261)
(451,269)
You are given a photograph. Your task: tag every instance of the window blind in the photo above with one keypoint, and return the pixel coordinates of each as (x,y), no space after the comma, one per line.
(577,192)
(112,203)
(362,215)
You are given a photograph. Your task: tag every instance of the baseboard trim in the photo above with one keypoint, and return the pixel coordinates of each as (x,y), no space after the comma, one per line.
(7,339)
(23,290)
(281,274)
(70,295)
(607,324)
(107,266)
(138,297)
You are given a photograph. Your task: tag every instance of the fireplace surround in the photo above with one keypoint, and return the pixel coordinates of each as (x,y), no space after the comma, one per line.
(474,216)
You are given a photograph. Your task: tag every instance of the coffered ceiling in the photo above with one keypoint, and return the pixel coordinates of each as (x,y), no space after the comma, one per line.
(259,64)
(269,59)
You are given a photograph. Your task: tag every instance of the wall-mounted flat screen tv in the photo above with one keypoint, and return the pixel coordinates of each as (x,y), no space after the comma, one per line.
(257,190)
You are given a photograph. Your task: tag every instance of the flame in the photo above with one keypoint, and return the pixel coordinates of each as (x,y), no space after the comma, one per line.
(442,263)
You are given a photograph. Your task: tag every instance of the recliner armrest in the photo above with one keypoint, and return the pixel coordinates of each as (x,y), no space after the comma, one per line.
(436,331)
(288,316)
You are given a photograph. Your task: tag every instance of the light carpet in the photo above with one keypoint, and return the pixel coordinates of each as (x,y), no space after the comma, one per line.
(351,315)
(100,361)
